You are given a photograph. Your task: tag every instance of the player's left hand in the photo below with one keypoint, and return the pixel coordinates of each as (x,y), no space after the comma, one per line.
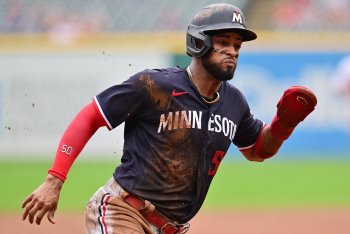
(43,201)
(295,105)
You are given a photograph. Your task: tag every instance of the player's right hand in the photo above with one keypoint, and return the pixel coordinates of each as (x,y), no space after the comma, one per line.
(43,201)
(295,105)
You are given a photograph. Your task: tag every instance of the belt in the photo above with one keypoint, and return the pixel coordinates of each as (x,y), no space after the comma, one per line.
(154,217)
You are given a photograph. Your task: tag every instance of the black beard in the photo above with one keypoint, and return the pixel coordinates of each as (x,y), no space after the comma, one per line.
(215,70)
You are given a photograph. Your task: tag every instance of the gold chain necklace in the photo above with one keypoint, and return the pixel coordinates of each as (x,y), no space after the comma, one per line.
(204,99)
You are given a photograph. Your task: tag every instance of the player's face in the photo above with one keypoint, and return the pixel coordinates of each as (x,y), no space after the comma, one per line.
(221,63)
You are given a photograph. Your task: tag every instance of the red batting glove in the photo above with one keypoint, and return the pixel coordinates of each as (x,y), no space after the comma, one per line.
(296,103)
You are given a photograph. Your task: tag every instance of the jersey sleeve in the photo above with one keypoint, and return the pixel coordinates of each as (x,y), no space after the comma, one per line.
(248,130)
(121,102)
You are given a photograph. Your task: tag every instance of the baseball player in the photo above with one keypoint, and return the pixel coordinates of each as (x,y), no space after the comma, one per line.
(179,124)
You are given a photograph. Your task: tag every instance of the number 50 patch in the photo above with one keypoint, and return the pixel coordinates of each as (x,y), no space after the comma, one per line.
(66,149)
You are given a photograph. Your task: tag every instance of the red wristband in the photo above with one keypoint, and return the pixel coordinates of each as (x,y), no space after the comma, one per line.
(280,130)
(78,133)
(259,149)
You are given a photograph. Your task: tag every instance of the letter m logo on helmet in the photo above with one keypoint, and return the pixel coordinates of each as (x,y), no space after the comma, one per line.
(237,17)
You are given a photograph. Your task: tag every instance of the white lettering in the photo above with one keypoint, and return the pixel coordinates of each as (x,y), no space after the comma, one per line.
(197,120)
(210,122)
(233,131)
(237,17)
(225,126)
(66,149)
(217,122)
(185,119)
(165,122)
(193,119)
(176,120)
(180,119)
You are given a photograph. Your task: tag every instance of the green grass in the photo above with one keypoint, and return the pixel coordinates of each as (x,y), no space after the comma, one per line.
(281,184)
(239,184)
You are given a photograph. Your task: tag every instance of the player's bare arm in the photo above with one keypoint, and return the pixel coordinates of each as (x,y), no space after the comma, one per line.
(295,105)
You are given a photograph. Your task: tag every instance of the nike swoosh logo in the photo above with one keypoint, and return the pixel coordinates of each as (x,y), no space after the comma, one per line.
(176,94)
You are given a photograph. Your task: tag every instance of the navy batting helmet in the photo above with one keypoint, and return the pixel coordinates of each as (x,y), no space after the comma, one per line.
(211,19)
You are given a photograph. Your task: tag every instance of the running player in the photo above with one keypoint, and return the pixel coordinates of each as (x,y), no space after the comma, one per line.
(179,124)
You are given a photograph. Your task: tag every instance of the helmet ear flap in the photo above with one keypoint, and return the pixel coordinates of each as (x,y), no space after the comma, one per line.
(197,42)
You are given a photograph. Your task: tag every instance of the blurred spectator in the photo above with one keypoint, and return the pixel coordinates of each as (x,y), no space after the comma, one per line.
(287,14)
(68,17)
(341,77)
(12,16)
(65,29)
(311,15)
(341,81)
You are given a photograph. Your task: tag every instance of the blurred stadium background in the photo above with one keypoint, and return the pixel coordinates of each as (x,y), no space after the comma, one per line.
(56,55)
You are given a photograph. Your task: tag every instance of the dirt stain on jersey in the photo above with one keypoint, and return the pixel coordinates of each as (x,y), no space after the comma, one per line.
(182,159)
(176,162)
(159,97)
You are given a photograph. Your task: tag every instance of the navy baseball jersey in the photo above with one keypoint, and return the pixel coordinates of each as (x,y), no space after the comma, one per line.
(174,140)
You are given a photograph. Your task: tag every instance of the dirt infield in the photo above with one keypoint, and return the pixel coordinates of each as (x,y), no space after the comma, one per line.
(320,221)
